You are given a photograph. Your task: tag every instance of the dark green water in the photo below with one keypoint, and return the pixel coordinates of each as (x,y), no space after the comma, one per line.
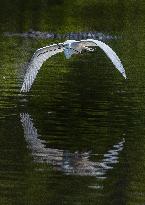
(78,137)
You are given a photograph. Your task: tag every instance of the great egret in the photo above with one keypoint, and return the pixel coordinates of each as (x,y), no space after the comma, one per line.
(69,47)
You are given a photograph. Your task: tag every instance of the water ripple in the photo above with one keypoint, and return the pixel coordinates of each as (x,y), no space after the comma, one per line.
(70,163)
(71,35)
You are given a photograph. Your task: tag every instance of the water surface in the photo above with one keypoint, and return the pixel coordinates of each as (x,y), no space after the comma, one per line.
(78,136)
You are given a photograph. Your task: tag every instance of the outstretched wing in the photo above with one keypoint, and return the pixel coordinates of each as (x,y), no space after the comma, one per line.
(109,52)
(36,62)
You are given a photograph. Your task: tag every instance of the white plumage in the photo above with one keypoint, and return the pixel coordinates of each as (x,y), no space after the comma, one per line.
(69,47)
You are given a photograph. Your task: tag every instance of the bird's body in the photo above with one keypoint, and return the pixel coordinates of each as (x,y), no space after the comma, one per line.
(69,47)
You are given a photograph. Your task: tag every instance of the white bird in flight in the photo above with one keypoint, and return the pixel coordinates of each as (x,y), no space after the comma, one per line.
(69,47)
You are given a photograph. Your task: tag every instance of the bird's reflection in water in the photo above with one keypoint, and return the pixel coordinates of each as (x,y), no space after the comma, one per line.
(69,163)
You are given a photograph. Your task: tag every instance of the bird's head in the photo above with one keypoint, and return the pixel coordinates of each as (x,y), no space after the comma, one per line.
(69,43)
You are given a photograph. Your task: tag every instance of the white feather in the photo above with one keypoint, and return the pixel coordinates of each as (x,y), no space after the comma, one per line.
(69,47)
(109,52)
(36,62)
